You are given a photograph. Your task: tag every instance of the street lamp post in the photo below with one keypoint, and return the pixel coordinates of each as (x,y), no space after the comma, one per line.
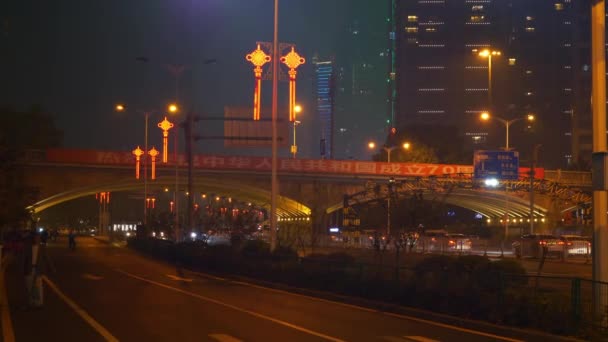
(294,148)
(172,108)
(405,146)
(486,116)
(488,54)
(274,165)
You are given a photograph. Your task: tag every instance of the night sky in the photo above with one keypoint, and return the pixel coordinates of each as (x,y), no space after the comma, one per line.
(78,58)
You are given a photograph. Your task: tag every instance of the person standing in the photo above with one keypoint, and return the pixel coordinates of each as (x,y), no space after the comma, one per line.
(36,265)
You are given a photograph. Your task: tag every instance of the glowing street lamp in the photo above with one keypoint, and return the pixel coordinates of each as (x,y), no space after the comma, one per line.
(406,146)
(294,148)
(485,116)
(486,53)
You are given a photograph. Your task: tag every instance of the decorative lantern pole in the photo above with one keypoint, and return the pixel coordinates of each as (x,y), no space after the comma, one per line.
(258,58)
(138,152)
(165,125)
(293,60)
(153,153)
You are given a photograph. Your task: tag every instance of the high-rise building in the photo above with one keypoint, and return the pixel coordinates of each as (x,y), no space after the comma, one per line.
(325,91)
(543,68)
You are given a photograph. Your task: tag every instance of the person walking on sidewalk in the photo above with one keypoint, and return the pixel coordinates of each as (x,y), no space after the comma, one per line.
(36,265)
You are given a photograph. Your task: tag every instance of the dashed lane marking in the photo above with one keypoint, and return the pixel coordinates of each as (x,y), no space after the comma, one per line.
(420,339)
(83,314)
(91,276)
(233,307)
(224,338)
(188,280)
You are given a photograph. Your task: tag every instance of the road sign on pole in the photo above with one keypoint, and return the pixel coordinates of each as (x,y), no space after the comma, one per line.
(502,165)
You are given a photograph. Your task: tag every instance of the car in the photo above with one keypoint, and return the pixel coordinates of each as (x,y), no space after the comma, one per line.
(532,245)
(433,240)
(458,242)
(576,245)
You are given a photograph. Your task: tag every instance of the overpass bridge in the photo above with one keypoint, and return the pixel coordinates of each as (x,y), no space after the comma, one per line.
(311,190)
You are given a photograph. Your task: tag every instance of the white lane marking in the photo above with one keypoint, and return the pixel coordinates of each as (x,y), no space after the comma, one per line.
(233,307)
(393,339)
(420,339)
(179,278)
(91,276)
(447,326)
(8,334)
(83,314)
(224,338)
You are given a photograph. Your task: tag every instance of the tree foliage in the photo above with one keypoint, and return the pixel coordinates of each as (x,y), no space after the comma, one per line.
(21,131)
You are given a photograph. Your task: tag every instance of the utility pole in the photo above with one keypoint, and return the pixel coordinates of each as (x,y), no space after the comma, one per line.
(274,184)
(532,174)
(600,200)
(188,126)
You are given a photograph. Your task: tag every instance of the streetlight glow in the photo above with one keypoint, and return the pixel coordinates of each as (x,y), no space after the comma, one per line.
(173,108)
(531,117)
(119,108)
(406,145)
(485,116)
(297,108)
(371,145)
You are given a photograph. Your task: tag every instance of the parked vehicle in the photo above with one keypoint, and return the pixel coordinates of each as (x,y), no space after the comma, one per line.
(459,243)
(576,245)
(532,245)
(433,240)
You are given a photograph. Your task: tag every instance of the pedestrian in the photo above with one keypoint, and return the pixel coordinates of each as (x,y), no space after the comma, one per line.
(72,240)
(36,265)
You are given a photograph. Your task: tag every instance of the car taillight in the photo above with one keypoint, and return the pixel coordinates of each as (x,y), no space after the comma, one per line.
(433,239)
(451,242)
(542,242)
(562,242)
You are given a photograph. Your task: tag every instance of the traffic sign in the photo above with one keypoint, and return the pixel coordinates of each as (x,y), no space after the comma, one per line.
(502,165)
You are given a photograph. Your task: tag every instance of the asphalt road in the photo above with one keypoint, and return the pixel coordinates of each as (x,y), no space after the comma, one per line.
(102,292)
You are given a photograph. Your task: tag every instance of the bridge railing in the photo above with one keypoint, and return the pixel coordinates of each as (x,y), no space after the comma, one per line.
(577,178)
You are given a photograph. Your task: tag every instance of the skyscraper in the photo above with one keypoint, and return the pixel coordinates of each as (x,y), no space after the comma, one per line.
(325,89)
(543,69)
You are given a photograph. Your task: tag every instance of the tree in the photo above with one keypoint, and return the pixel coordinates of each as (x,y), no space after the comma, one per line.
(19,132)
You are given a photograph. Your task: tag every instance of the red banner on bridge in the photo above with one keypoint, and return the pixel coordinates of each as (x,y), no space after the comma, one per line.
(287,165)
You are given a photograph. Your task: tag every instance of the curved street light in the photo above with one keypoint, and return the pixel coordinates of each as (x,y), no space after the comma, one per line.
(406,146)
(485,116)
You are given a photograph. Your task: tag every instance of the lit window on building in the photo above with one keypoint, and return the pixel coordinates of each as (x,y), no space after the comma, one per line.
(529,93)
(528,72)
(559,6)
(529,18)
(477,8)
(411,29)
(512,61)
(567,23)
(412,18)
(529,29)
(477,18)
(412,41)
(430,29)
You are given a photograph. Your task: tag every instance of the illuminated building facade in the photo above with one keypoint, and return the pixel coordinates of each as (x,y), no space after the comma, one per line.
(325,91)
(543,69)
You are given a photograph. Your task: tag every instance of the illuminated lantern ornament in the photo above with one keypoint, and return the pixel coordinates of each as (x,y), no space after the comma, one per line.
(138,152)
(103,197)
(258,58)
(150,202)
(153,153)
(165,125)
(293,61)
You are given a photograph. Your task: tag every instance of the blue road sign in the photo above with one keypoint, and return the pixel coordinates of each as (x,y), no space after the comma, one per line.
(502,165)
